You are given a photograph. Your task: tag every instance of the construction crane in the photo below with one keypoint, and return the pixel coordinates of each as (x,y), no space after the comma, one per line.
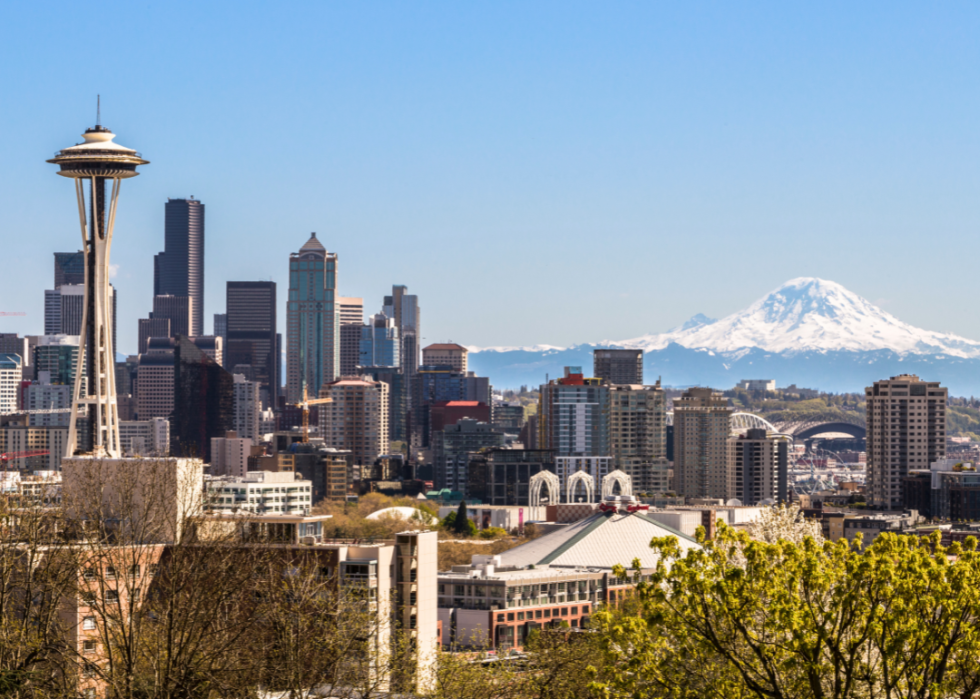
(12,313)
(304,405)
(10,455)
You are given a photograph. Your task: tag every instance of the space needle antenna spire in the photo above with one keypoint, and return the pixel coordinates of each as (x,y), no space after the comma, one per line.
(96,161)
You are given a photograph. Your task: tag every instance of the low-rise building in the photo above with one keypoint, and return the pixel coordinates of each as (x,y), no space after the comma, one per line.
(260,492)
(145,437)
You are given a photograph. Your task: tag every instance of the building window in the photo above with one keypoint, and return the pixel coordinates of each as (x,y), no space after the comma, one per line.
(88,647)
(88,623)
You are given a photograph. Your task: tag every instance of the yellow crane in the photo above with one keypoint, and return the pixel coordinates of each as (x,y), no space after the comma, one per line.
(304,405)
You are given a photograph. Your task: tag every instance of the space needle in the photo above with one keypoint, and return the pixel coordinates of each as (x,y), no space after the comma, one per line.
(97,162)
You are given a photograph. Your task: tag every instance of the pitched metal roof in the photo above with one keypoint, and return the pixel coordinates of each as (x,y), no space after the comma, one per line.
(600,541)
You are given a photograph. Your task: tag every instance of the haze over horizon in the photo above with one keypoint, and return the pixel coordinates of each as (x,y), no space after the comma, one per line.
(622,167)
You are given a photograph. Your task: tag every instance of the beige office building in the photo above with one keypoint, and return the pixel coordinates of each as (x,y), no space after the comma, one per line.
(637,435)
(701,431)
(446,354)
(906,430)
(357,418)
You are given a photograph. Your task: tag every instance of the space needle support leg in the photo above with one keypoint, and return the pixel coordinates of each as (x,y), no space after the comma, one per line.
(111,442)
(72,443)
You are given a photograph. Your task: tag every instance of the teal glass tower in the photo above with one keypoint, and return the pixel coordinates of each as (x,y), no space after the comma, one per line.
(312,321)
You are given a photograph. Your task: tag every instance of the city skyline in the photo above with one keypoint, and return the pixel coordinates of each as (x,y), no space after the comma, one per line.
(657,130)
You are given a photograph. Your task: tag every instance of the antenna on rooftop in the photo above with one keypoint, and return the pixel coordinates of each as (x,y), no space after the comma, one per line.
(98,110)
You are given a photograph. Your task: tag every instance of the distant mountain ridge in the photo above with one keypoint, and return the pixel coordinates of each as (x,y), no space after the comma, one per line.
(809,331)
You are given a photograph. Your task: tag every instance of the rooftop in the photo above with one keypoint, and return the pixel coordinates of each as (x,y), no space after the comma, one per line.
(445,346)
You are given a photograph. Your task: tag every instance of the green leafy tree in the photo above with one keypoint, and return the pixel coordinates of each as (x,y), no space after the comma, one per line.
(461,524)
(744,618)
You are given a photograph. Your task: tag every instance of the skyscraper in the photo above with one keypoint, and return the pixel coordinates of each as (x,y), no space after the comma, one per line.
(204,401)
(179,310)
(618,366)
(63,307)
(637,420)
(701,431)
(179,269)
(312,321)
(906,430)
(251,330)
(446,354)
(351,322)
(69,268)
(574,415)
(379,342)
(357,418)
(404,309)
(760,464)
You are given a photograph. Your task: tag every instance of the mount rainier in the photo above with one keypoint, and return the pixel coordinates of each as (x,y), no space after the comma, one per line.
(810,332)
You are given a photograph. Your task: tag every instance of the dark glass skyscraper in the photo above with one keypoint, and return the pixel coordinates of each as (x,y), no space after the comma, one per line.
(250,325)
(203,402)
(179,269)
(69,268)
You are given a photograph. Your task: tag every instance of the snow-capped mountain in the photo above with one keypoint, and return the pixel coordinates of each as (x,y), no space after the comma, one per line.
(807,331)
(809,314)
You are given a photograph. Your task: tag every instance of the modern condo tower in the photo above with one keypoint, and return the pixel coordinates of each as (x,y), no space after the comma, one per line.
(179,269)
(312,321)
(97,161)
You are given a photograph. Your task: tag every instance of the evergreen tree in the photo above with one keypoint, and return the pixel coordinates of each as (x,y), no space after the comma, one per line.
(462,523)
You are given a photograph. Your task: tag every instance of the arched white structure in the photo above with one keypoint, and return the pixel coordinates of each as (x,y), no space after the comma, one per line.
(544,479)
(613,477)
(573,480)
(740,422)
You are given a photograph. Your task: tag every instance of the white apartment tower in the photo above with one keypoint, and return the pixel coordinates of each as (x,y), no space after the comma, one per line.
(906,430)
(247,408)
(701,431)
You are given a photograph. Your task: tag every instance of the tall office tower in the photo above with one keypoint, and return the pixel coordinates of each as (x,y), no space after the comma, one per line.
(356,419)
(221,326)
(312,321)
(351,310)
(573,415)
(701,430)
(179,269)
(637,420)
(760,466)
(404,309)
(351,322)
(619,366)
(446,354)
(906,430)
(69,268)
(155,379)
(251,311)
(440,383)
(452,447)
(58,356)
(248,407)
(63,310)
(203,402)
(397,397)
(179,310)
(152,327)
(211,346)
(379,342)
(10,377)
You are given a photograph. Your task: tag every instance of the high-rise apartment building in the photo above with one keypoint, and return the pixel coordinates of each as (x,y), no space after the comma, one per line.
(10,377)
(433,384)
(380,345)
(312,321)
(248,408)
(155,380)
(145,437)
(446,354)
(404,309)
(69,268)
(179,269)
(573,415)
(229,455)
(452,446)
(701,429)
(251,330)
(58,356)
(397,398)
(637,424)
(356,419)
(906,430)
(618,366)
(351,322)
(12,343)
(760,464)
(43,396)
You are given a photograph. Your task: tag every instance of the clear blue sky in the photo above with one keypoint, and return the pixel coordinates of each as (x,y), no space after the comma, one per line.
(537,172)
